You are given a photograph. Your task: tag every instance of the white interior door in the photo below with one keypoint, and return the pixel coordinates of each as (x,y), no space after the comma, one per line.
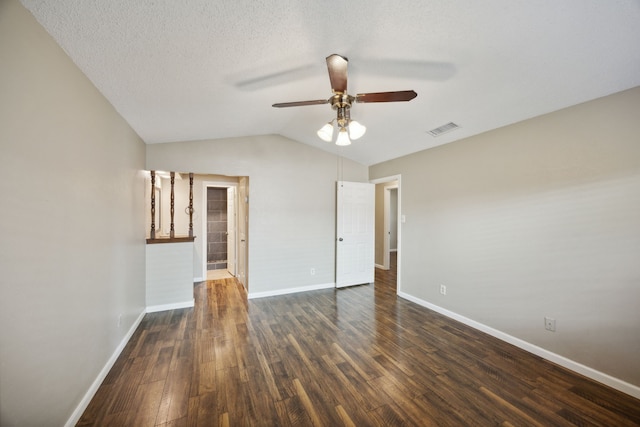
(355,233)
(231,230)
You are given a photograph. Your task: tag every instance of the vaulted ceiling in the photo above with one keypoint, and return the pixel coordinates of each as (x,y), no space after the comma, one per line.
(203,69)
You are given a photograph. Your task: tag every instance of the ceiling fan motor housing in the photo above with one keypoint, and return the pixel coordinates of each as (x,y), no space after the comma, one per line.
(341,102)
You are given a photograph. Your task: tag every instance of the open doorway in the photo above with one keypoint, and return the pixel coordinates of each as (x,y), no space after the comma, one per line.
(390,219)
(224,225)
(221,232)
(388,226)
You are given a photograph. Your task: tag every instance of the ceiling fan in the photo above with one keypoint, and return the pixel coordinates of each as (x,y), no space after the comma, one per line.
(341,102)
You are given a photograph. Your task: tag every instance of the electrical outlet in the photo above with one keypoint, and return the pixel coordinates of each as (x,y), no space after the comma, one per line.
(443,289)
(550,324)
(313,271)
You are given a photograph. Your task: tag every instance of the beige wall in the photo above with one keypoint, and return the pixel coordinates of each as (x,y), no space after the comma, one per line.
(541,218)
(71,227)
(291,206)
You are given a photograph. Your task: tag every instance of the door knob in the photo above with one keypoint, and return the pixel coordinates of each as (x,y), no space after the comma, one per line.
(340,239)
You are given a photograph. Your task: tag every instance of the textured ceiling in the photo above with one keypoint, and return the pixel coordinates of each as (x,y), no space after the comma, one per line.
(203,69)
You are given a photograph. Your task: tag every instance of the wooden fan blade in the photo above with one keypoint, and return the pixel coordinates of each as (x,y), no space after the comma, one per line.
(301,103)
(404,95)
(337,66)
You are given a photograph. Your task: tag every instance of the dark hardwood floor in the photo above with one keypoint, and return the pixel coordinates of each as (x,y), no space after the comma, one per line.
(358,356)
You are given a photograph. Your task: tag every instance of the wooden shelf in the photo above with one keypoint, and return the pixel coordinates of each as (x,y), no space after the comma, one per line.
(170,240)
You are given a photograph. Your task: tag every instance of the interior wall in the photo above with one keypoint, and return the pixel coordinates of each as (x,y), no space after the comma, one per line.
(540,218)
(72,252)
(291,207)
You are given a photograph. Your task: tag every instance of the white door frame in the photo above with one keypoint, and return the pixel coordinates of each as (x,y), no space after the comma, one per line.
(214,184)
(232,230)
(390,179)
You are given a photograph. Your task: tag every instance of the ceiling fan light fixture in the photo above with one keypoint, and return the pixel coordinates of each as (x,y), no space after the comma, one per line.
(341,102)
(343,138)
(325,133)
(356,130)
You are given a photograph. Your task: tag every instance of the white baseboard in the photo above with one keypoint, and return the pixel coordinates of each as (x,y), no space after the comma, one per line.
(82,406)
(380,266)
(198,279)
(252,295)
(595,375)
(173,306)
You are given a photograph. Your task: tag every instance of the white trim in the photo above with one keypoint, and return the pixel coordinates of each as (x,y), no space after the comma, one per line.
(381,267)
(173,306)
(595,375)
(198,279)
(252,295)
(84,403)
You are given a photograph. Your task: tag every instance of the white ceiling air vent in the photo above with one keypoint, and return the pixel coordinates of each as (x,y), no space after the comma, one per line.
(443,129)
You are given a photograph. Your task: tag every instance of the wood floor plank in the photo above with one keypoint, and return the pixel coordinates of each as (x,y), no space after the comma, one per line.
(146,404)
(591,412)
(347,358)
(446,412)
(388,415)
(344,417)
(359,356)
(306,403)
(192,412)
(352,389)
(267,374)
(175,396)
(126,391)
(522,417)
(296,413)
(99,406)
(282,413)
